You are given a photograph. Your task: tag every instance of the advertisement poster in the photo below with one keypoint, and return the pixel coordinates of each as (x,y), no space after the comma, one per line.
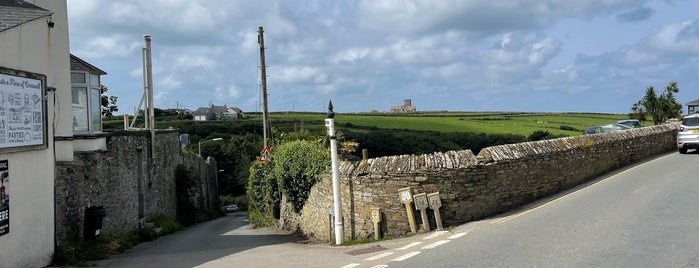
(4,198)
(21,111)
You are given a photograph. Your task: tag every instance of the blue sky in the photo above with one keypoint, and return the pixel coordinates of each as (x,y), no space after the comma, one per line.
(476,55)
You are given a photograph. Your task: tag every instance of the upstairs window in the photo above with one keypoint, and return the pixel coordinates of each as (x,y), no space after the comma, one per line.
(87,107)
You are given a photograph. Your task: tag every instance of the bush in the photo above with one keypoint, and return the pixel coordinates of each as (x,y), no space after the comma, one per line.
(167,224)
(569,128)
(263,194)
(186,187)
(298,165)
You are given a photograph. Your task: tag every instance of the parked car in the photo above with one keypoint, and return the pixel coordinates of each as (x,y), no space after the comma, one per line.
(688,133)
(231,208)
(605,128)
(634,123)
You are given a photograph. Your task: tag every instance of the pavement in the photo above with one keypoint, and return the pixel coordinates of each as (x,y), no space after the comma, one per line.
(231,242)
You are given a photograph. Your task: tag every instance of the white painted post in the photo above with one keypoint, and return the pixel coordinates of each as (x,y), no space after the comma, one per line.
(337,197)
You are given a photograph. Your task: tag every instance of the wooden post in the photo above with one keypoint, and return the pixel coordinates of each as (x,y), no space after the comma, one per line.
(406,196)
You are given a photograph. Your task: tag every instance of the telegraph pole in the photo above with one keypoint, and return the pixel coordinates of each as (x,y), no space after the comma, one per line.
(263,79)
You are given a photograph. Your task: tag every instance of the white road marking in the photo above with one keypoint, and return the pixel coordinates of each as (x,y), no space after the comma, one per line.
(410,245)
(436,244)
(436,234)
(406,256)
(458,235)
(379,256)
(351,265)
(380,266)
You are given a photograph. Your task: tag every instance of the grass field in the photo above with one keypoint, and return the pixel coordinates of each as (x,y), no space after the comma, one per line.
(476,122)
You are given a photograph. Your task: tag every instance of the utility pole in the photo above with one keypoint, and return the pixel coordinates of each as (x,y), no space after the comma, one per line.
(263,79)
(149,83)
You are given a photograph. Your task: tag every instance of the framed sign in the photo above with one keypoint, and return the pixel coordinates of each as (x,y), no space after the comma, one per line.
(22,110)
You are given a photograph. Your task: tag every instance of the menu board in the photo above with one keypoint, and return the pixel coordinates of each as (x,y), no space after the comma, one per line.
(21,111)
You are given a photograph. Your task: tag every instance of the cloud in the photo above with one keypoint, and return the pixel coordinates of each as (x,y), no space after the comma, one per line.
(480,16)
(638,14)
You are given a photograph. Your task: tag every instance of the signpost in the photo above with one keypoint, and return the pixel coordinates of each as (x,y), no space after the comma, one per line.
(337,198)
(435,204)
(421,204)
(406,197)
(376,218)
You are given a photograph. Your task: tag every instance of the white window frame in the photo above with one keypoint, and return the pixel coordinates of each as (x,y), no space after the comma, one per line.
(92,110)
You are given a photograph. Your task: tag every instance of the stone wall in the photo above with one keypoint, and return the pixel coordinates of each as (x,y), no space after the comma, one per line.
(112,177)
(471,187)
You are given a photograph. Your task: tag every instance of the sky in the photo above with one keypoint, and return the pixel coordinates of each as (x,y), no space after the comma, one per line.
(366,55)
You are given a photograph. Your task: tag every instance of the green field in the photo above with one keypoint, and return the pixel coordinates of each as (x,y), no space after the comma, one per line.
(476,122)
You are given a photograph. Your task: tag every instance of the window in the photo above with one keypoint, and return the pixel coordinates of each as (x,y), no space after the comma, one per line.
(87,106)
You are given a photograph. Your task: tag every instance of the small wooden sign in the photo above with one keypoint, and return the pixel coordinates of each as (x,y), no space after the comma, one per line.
(406,195)
(376,214)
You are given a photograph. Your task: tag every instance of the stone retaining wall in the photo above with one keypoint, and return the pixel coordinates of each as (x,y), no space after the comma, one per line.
(471,187)
(111,178)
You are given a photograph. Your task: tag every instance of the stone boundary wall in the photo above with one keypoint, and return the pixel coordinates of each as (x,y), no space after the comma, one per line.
(498,179)
(111,178)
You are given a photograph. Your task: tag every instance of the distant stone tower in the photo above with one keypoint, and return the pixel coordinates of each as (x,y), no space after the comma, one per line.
(407,107)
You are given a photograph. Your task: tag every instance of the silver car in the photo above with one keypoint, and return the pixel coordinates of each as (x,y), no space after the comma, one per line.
(688,133)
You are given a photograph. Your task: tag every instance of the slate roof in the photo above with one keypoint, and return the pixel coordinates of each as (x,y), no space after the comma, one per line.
(694,102)
(14,13)
(81,65)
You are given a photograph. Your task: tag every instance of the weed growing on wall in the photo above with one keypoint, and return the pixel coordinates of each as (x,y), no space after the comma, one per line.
(262,193)
(186,187)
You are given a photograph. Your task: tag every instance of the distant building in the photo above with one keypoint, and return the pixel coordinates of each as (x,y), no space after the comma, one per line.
(407,107)
(217,113)
(693,106)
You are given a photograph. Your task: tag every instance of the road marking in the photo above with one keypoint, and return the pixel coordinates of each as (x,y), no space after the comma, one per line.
(458,235)
(351,265)
(406,256)
(380,266)
(505,219)
(379,256)
(410,245)
(436,234)
(436,244)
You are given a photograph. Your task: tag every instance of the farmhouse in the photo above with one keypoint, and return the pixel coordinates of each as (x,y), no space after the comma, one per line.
(217,113)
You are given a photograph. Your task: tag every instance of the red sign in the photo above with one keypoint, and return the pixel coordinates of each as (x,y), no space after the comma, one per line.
(266,155)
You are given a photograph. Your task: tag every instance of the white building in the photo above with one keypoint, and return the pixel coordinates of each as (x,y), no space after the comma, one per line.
(36,125)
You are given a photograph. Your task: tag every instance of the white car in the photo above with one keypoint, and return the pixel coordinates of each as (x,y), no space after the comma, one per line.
(688,133)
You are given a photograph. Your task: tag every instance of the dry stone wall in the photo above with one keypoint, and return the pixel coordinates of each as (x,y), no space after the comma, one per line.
(471,187)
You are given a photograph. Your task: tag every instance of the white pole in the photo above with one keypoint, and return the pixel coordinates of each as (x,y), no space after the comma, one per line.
(337,197)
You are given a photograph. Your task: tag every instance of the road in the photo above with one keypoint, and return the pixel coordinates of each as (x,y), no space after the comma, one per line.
(200,244)
(645,216)
(642,216)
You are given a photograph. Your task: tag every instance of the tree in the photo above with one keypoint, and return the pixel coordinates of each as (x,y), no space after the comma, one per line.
(657,107)
(109,103)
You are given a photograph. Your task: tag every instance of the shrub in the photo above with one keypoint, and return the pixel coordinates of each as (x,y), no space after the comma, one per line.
(262,192)
(298,165)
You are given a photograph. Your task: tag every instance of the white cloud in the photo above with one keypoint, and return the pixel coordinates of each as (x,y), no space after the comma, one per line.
(226,95)
(299,75)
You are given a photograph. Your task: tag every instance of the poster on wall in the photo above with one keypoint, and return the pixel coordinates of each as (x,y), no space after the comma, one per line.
(21,110)
(4,198)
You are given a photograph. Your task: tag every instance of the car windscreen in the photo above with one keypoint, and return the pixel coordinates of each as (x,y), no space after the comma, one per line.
(692,121)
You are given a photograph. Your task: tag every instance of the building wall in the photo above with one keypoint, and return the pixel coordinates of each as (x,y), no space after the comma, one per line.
(472,187)
(34,47)
(111,178)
